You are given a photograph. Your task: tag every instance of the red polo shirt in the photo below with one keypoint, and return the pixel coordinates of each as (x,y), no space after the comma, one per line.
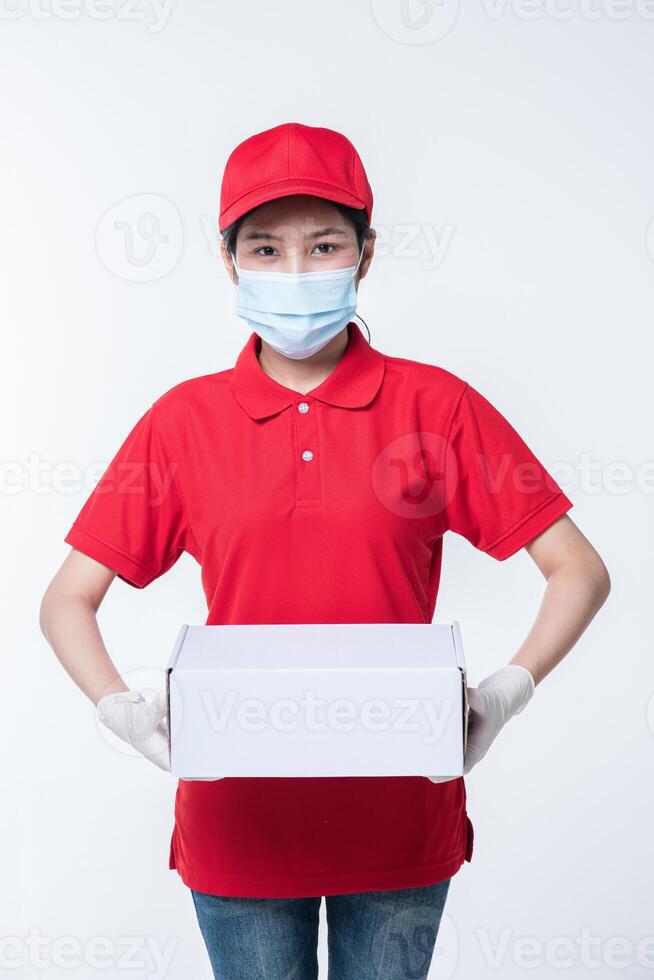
(328,507)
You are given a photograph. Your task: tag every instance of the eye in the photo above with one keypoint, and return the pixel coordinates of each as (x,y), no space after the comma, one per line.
(325,246)
(264,250)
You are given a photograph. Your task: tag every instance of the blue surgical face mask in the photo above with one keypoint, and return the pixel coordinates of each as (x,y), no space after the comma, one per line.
(297,313)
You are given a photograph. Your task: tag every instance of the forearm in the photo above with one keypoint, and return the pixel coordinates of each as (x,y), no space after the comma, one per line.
(574,593)
(70,626)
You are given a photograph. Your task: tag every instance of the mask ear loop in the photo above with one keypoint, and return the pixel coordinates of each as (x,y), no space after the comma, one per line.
(363,248)
(358,315)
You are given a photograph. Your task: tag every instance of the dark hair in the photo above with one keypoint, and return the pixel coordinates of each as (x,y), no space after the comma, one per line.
(356,216)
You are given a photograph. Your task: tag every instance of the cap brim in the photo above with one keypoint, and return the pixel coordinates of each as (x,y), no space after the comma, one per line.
(286,188)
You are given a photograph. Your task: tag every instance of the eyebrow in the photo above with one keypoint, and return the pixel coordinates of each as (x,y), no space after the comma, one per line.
(266,236)
(332,230)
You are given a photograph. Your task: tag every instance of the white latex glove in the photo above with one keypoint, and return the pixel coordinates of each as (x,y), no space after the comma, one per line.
(498,697)
(141,723)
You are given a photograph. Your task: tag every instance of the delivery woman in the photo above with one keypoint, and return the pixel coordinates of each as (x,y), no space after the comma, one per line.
(314,482)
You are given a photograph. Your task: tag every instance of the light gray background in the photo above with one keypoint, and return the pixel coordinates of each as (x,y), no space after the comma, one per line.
(518,138)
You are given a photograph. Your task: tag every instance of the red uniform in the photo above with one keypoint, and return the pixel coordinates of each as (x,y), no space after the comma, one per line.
(328,507)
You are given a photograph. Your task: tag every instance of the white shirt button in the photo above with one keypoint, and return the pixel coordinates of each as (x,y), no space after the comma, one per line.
(307,455)
(303,407)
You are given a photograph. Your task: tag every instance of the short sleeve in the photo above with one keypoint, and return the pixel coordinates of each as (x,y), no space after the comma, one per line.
(134,519)
(498,495)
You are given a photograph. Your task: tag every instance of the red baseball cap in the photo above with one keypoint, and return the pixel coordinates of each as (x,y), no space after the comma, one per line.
(292,159)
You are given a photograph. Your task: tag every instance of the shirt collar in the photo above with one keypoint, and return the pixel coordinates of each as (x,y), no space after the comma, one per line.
(353,383)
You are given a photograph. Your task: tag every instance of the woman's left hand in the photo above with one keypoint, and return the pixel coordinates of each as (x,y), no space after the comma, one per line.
(498,697)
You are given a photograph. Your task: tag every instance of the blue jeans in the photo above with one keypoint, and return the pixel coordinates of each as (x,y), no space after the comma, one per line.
(385,935)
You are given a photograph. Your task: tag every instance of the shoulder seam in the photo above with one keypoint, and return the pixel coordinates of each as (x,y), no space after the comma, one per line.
(446,445)
(176,478)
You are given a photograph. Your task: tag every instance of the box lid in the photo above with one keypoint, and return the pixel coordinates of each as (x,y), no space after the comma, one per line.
(318,645)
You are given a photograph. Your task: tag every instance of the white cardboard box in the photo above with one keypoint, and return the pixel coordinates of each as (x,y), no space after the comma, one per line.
(355,699)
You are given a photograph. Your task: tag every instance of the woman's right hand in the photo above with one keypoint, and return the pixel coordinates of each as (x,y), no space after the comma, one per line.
(141,723)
